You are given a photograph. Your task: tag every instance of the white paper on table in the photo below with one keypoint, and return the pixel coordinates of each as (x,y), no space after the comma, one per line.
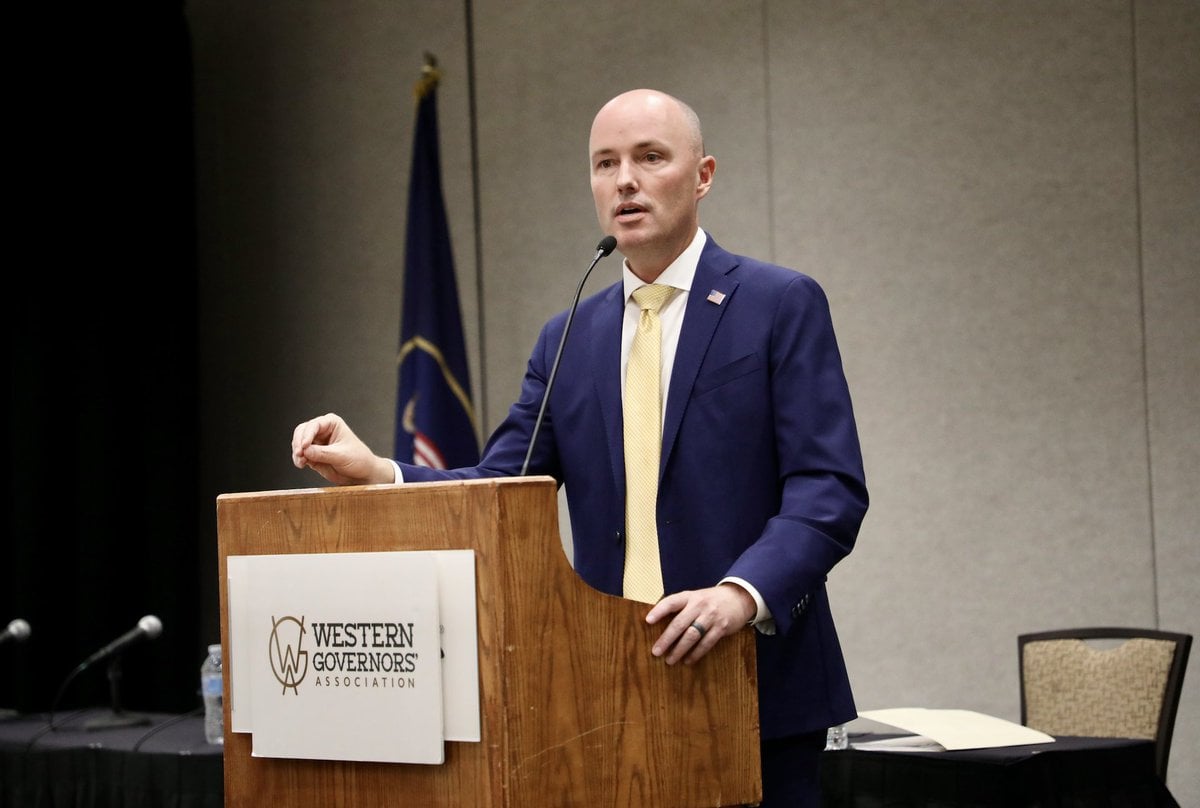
(954,729)
(902,743)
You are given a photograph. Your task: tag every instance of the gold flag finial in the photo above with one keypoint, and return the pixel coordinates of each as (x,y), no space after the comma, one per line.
(430,75)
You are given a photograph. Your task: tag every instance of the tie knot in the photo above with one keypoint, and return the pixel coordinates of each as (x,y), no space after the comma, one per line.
(651,297)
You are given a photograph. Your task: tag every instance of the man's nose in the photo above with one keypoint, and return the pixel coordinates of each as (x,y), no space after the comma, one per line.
(626,177)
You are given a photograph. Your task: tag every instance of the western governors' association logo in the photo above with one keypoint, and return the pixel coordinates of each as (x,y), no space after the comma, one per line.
(361,655)
(289,660)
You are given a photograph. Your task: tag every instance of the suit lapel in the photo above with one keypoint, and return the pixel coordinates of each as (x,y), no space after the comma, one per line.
(604,335)
(707,303)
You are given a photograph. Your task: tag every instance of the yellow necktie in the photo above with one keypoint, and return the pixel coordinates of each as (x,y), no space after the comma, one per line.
(643,447)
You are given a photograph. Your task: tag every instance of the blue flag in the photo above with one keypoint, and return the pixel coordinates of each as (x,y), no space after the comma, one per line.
(435,417)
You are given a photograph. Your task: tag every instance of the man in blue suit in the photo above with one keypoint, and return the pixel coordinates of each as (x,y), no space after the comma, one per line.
(761,488)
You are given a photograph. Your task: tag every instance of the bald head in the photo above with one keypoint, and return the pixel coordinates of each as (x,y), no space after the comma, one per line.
(656,102)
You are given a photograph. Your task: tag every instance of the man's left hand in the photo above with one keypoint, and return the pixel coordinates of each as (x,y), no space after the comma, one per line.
(701,618)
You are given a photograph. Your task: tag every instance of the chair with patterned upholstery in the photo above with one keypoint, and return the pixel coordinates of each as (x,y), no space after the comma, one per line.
(1104,683)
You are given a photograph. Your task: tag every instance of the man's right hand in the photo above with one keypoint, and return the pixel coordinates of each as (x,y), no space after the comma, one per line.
(328,446)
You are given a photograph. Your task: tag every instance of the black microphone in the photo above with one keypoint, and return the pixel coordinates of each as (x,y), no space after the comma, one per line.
(148,628)
(606,246)
(17,630)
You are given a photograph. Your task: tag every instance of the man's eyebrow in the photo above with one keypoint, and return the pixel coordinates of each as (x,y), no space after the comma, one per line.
(640,146)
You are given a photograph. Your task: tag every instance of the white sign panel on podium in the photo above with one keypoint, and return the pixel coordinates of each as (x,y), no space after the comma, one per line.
(339,656)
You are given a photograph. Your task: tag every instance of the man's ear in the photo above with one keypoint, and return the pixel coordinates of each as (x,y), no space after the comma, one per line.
(704,175)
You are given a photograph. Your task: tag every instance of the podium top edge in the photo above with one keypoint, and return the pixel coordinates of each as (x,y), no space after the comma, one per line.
(342,489)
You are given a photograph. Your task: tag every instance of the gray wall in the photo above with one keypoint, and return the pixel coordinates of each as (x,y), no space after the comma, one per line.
(1000,198)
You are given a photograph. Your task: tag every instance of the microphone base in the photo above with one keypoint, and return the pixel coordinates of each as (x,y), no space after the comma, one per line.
(117,720)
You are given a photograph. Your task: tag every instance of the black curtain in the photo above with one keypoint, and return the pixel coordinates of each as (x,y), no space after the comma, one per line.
(102,501)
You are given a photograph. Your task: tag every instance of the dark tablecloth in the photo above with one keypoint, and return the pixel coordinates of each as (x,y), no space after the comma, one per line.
(165,764)
(1071,772)
(168,764)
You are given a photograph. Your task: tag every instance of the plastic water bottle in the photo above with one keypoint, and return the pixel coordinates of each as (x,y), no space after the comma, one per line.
(836,739)
(211,688)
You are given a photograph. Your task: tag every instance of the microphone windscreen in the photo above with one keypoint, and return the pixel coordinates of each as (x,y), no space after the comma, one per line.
(18,629)
(606,245)
(151,625)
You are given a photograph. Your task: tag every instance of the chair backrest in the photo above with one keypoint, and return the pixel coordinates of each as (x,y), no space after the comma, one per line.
(1080,682)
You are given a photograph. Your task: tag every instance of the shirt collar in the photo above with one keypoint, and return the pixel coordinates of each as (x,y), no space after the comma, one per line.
(680,273)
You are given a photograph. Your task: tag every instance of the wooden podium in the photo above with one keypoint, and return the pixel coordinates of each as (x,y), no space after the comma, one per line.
(574,709)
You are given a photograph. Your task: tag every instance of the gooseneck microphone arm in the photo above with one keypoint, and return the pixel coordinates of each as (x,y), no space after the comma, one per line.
(606,246)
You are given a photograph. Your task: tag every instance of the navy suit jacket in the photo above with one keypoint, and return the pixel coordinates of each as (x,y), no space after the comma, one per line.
(761,474)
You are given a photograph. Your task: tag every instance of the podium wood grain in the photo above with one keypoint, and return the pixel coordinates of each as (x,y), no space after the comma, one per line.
(575,710)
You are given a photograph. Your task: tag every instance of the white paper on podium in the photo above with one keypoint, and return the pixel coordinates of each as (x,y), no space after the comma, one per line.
(460,643)
(949,730)
(459,637)
(345,653)
(239,685)
(377,651)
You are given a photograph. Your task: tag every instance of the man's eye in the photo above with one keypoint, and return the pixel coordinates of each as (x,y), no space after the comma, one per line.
(652,157)
(604,164)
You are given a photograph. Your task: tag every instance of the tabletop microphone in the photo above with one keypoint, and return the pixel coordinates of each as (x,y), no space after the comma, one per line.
(17,630)
(606,246)
(147,628)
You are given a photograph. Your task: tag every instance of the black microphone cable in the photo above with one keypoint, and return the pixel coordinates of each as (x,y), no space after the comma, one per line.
(150,733)
(51,728)
(82,666)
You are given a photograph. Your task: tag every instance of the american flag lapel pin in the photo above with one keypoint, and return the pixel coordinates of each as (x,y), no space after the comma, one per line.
(716,297)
